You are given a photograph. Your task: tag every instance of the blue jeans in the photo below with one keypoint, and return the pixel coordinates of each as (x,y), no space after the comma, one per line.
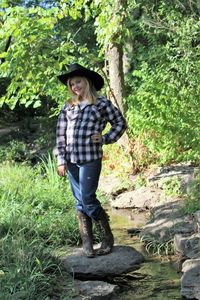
(84,180)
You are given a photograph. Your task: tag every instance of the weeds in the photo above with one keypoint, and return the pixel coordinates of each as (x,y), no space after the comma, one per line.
(172,186)
(28,269)
(155,247)
(36,217)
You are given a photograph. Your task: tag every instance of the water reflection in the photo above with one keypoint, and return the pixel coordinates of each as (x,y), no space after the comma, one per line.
(157,278)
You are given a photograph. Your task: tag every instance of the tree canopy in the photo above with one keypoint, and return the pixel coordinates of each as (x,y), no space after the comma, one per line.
(159,39)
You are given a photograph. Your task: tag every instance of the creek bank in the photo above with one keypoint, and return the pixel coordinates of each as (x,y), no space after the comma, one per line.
(168,227)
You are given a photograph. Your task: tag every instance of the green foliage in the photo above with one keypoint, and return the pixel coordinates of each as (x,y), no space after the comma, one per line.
(37,216)
(15,150)
(28,270)
(140,181)
(171,186)
(164,99)
(163,82)
(40,203)
(192,202)
(38,51)
(116,160)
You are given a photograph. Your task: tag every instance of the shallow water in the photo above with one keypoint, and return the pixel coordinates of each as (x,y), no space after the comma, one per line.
(157,278)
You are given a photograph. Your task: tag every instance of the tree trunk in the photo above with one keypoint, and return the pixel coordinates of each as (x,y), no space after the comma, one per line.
(116,76)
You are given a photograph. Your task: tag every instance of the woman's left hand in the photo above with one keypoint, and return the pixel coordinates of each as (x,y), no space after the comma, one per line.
(97,138)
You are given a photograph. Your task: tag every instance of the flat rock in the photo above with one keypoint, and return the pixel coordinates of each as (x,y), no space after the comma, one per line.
(188,246)
(94,290)
(197,218)
(190,281)
(122,259)
(174,170)
(168,220)
(144,197)
(109,184)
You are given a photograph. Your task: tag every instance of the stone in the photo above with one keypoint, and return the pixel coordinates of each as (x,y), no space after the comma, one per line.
(168,220)
(94,290)
(188,246)
(197,217)
(144,197)
(183,172)
(174,170)
(109,184)
(122,259)
(190,281)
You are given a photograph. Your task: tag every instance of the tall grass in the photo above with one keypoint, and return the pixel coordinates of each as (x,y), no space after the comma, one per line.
(36,217)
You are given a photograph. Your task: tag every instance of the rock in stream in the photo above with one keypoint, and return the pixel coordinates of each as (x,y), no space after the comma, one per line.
(91,274)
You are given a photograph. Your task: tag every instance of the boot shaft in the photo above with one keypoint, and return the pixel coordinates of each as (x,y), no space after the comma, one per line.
(85,228)
(107,239)
(85,224)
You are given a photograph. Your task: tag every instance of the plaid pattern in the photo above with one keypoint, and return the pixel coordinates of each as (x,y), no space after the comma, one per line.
(76,124)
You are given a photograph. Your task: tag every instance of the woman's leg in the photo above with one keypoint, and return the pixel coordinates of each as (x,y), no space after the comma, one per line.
(85,222)
(84,180)
(73,175)
(88,181)
(89,174)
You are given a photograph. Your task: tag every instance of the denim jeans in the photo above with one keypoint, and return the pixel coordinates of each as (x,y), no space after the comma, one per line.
(84,180)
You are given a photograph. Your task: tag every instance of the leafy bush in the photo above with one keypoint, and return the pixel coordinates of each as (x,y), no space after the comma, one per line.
(15,150)
(116,161)
(163,106)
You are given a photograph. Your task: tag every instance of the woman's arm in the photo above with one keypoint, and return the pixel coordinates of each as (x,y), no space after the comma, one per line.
(60,149)
(117,121)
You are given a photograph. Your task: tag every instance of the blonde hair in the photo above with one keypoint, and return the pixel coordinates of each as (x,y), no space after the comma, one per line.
(90,92)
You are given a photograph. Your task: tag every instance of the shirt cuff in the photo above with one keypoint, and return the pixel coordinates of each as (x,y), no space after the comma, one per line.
(61,161)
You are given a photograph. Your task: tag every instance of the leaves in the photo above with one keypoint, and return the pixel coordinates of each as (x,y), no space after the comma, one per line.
(163,104)
(36,54)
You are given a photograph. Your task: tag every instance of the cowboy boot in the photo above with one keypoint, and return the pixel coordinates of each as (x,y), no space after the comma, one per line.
(107,239)
(85,228)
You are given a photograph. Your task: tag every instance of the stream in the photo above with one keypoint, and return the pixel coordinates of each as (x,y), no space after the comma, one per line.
(157,278)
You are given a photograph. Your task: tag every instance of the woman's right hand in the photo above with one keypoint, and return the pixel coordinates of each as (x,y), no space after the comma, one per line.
(62,170)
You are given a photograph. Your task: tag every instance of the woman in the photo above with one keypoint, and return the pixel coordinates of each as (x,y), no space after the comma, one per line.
(79,142)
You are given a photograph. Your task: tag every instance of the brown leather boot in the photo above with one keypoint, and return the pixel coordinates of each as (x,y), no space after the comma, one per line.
(85,227)
(107,239)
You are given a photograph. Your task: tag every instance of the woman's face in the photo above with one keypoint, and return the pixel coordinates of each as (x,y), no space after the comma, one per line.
(78,85)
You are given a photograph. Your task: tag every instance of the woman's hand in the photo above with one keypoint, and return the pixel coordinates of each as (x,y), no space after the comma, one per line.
(62,170)
(97,138)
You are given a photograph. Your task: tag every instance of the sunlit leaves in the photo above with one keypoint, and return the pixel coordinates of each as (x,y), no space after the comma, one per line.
(164,108)
(35,55)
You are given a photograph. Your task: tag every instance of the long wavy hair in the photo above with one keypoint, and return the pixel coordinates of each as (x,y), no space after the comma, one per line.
(90,92)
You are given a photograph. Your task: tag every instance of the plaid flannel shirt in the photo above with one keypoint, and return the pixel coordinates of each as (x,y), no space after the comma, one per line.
(76,124)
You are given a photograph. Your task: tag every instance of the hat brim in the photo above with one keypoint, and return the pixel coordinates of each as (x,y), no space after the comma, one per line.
(95,78)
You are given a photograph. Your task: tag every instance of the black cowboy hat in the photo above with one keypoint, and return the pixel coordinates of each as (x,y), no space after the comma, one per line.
(78,70)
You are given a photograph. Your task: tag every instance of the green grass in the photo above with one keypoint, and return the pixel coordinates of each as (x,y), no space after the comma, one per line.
(37,216)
